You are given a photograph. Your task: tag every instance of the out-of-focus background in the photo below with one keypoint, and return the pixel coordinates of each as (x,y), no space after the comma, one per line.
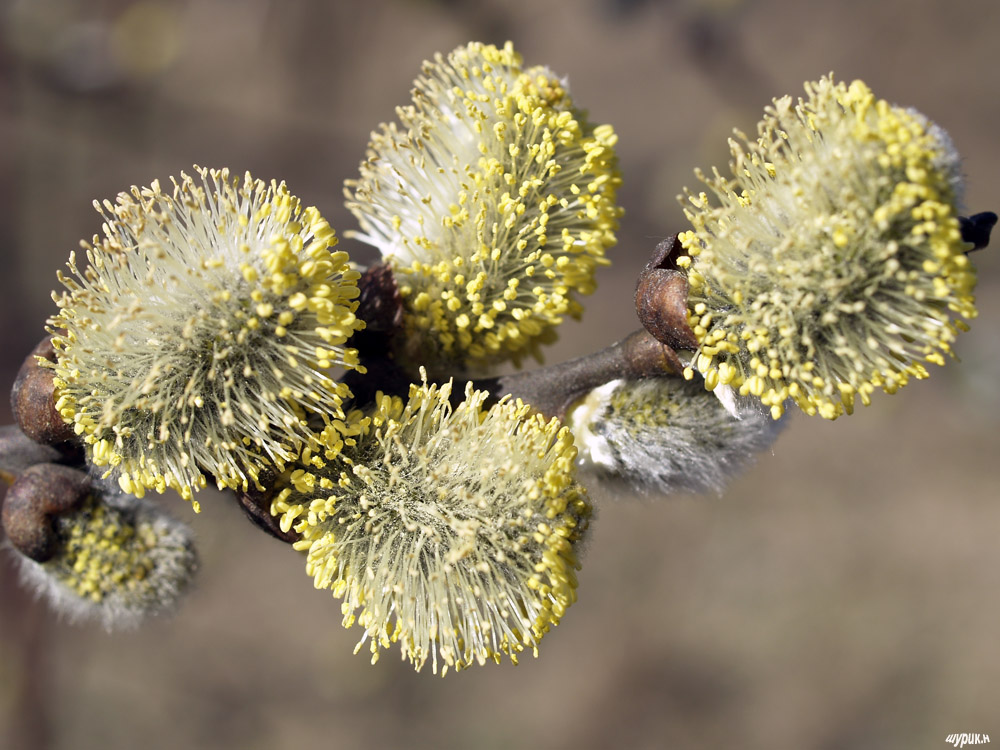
(844,593)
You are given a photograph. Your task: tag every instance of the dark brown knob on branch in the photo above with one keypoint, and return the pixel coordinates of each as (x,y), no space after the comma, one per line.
(381,307)
(661,298)
(40,494)
(257,505)
(33,402)
(977,228)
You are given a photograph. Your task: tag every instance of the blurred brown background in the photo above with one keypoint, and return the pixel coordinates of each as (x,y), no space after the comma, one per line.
(844,593)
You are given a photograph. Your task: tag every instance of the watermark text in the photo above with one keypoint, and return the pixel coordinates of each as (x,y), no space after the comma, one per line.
(963,739)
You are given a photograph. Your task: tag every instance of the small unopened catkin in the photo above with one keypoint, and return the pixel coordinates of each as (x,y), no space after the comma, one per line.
(666,435)
(118,560)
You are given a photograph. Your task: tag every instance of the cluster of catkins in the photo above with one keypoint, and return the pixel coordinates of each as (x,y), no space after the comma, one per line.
(213,332)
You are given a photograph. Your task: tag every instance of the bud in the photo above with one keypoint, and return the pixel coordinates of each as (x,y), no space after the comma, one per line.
(33,401)
(38,496)
(111,558)
(667,435)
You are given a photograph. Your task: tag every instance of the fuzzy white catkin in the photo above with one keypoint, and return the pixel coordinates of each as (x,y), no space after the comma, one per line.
(665,435)
(121,560)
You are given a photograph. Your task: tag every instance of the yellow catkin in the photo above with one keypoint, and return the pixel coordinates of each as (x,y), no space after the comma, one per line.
(205,323)
(494,200)
(451,531)
(834,263)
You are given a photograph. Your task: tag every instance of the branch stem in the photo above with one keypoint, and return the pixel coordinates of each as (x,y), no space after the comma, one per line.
(553,390)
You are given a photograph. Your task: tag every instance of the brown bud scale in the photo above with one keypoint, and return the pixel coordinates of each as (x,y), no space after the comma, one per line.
(661,298)
(36,497)
(33,400)
(256,503)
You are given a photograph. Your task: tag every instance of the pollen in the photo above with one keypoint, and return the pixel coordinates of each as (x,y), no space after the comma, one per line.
(833,264)
(491,179)
(119,560)
(451,531)
(206,324)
